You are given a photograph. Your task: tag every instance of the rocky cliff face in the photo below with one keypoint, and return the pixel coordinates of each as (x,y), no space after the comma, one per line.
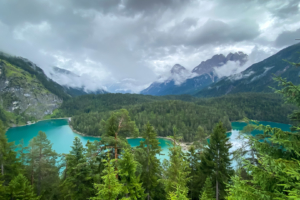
(218,61)
(22,92)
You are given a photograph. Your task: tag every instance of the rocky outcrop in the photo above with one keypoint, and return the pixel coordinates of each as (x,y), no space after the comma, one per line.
(22,92)
(218,61)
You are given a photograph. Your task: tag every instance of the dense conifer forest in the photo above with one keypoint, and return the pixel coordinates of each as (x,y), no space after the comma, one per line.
(186,114)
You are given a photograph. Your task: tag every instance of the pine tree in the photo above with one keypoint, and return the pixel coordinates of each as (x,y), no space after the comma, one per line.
(131,183)
(9,164)
(176,174)
(178,194)
(22,152)
(215,161)
(20,188)
(77,183)
(208,191)
(95,154)
(200,138)
(196,175)
(116,129)
(111,187)
(149,148)
(43,172)
(3,191)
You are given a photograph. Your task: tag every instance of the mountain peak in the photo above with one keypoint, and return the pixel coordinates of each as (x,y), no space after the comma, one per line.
(178,69)
(218,61)
(238,56)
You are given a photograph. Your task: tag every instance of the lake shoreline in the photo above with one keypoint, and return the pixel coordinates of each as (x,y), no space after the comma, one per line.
(14,125)
(184,145)
(82,134)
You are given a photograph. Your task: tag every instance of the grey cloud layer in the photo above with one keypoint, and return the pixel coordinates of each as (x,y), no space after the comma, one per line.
(113,41)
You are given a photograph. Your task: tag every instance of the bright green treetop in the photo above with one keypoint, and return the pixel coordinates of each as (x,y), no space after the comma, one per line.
(176,174)
(132,187)
(20,188)
(208,191)
(111,187)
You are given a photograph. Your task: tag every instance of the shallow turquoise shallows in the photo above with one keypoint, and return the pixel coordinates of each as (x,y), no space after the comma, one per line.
(62,136)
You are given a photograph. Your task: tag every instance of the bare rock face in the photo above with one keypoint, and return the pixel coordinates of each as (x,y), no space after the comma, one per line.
(22,92)
(218,61)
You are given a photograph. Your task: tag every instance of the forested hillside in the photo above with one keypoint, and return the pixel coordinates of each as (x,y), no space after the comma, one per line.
(186,116)
(106,102)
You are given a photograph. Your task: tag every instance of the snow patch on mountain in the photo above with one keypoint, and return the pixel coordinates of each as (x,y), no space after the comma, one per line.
(261,75)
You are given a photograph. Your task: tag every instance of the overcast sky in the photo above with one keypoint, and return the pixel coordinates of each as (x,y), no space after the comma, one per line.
(127,44)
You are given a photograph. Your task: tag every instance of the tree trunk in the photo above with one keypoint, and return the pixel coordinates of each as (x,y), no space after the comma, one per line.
(217,183)
(32,172)
(217,189)
(40,175)
(2,169)
(116,155)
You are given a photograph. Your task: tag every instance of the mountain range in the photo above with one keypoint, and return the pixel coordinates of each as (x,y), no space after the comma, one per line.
(259,77)
(25,88)
(182,81)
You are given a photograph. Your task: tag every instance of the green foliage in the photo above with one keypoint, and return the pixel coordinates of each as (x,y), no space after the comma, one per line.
(132,187)
(208,192)
(9,164)
(109,102)
(276,175)
(41,168)
(178,194)
(188,116)
(20,188)
(77,181)
(176,174)
(146,156)
(111,187)
(116,128)
(215,161)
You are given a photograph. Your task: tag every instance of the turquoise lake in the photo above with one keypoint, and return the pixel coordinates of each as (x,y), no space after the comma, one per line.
(62,136)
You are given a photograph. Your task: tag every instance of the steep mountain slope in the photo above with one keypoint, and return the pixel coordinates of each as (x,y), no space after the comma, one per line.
(26,90)
(202,75)
(259,77)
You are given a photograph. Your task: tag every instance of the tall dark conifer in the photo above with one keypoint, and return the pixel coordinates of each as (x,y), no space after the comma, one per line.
(9,164)
(43,172)
(215,161)
(78,183)
(150,163)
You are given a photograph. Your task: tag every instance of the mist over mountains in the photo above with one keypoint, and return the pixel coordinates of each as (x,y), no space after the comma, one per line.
(183,81)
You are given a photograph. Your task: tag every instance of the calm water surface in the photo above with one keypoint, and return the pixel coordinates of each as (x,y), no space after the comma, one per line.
(62,136)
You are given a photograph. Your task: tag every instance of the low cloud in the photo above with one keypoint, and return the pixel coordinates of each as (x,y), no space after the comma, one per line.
(257,54)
